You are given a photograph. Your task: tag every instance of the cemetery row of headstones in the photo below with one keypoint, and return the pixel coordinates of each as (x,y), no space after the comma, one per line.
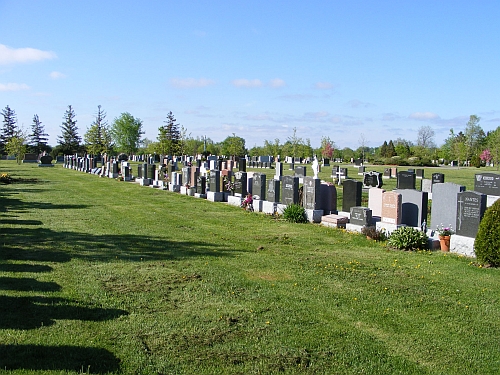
(217,180)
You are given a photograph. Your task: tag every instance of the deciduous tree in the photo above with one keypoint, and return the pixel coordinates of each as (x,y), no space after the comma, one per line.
(127,131)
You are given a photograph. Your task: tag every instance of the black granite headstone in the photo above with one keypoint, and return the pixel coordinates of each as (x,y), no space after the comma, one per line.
(290,190)
(352,191)
(214,181)
(406,180)
(259,186)
(372,179)
(487,183)
(438,178)
(273,191)
(310,199)
(201,185)
(240,183)
(470,210)
(361,216)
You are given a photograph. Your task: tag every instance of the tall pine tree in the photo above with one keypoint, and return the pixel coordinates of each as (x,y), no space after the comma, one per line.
(98,137)
(38,138)
(69,138)
(9,129)
(169,136)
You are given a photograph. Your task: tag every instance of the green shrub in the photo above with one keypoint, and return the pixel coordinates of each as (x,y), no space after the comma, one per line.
(408,238)
(295,213)
(374,233)
(487,243)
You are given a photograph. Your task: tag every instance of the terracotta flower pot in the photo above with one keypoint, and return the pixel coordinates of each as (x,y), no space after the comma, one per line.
(444,241)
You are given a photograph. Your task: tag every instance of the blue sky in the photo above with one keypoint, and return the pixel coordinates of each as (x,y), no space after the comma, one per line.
(341,69)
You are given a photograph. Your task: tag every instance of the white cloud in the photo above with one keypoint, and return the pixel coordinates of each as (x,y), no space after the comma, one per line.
(243,82)
(13,87)
(277,82)
(188,83)
(423,116)
(323,86)
(355,103)
(57,75)
(10,55)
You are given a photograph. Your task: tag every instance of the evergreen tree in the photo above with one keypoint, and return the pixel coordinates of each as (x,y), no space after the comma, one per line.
(391,151)
(69,139)
(9,129)
(169,136)
(38,137)
(98,138)
(383,150)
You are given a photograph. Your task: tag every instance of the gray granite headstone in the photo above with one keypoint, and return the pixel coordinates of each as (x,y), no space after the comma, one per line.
(413,207)
(420,173)
(186,175)
(300,171)
(352,191)
(470,210)
(444,204)
(290,190)
(361,216)
(427,185)
(311,192)
(487,183)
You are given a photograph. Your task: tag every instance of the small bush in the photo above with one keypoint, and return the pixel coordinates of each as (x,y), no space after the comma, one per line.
(487,243)
(408,238)
(295,213)
(374,233)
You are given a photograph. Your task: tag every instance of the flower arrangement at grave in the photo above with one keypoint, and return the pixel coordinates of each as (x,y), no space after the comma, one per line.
(444,231)
(229,185)
(444,237)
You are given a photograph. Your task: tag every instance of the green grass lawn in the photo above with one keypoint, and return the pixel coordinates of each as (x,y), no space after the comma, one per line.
(101,276)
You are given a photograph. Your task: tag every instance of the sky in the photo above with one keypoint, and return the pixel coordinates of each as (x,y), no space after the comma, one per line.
(354,71)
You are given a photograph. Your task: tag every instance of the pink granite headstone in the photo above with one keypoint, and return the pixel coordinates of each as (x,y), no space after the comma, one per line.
(391,208)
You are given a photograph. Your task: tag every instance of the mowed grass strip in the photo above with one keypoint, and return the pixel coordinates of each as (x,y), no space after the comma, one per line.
(102,276)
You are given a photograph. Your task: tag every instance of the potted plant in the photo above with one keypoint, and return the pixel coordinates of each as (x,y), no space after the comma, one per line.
(444,237)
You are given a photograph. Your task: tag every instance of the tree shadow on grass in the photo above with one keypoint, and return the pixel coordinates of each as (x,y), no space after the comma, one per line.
(22,267)
(27,284)
(35,312)
(63,358)
(41,244)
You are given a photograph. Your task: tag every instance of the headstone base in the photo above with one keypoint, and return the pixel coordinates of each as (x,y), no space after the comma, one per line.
(257,205)
(201,196)
(174,188)
(30,161)
(280,208)
(113,175)
(490,199)
(462,245)
(45,165)
(345,214)
(187,191)
(144,182)
(314,216)
(334,221)
(234,200)
(353,227)
(269,207)
(389,228)
(215,197)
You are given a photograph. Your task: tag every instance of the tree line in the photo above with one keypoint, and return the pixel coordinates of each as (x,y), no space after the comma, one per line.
(124,135)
